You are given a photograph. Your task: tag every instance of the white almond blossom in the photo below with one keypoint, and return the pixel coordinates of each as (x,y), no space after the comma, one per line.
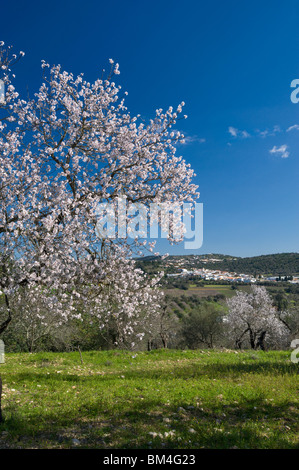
(253,319)
(70,147)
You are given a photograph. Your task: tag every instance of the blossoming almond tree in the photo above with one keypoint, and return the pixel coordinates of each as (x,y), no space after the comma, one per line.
(253,318)
(71,147)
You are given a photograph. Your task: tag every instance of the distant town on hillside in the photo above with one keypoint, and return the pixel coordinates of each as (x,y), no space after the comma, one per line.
(218,267)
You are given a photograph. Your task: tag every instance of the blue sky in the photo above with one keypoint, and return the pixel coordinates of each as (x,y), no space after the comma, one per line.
(231,62)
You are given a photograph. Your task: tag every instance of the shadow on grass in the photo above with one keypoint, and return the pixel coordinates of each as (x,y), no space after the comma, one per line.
(170,372)
(143,425)
(258,367)
(116,420)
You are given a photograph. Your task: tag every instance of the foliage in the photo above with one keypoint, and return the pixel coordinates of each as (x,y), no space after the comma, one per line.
(252,318)
(70,148)
(203,326)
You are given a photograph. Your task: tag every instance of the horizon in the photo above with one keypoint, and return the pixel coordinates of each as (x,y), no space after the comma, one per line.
(221,254)
(233,70)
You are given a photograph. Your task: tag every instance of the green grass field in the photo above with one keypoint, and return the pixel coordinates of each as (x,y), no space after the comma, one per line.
(206,291)
(159,399)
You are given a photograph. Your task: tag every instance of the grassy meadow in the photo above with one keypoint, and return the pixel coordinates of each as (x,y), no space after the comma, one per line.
(153,400)
(206,291)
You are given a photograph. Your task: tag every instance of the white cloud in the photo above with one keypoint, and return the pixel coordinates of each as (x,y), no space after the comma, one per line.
(276,128)
(263,133)
(268,132)
(233,131)
(245,134)
(190,139)
(282,150)
(294,127)
(237,133)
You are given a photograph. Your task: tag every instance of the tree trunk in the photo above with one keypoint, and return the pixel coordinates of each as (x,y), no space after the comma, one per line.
(239,340)
(3,327)
(261,341)
(252,341)
(81,358)
(6,322)
(0,399)
(164,341)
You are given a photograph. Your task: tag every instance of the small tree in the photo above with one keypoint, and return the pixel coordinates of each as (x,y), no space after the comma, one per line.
(165,327)
(34,320)
(253,319)
(202,326)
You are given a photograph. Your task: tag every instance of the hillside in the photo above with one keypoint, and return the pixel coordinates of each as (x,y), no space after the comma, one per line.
(278,264)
